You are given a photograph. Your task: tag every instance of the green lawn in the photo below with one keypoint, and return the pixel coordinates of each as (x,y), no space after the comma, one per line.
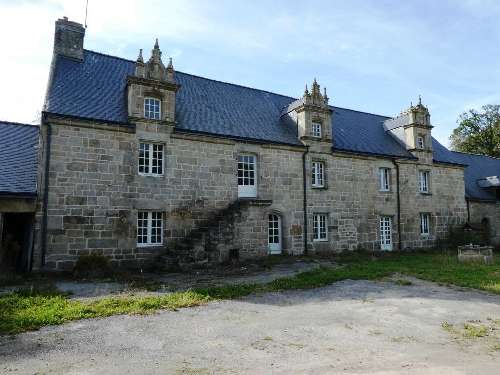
(29,310)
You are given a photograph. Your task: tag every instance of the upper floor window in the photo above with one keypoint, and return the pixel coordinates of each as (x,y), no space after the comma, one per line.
(385,177)
(425,224)
(318,174)
(149,228)
(152,108)
(423,181)
(247,176)
(320,227)
(150,159)
(316,129)
(420,142)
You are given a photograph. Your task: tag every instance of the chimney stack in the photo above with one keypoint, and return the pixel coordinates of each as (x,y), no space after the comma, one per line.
(68,39)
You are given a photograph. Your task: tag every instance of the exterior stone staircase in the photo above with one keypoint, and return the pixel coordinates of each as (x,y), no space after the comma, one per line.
(210,242)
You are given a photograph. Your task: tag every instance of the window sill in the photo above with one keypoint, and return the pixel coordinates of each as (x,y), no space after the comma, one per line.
(319,187)
(142,245)
(385,191)
(325,240)
(151,175)
(424,193)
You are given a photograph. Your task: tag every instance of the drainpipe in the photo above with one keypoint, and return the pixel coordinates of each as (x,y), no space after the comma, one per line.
(468,210)
(398,202)
(304,181)
(46,193)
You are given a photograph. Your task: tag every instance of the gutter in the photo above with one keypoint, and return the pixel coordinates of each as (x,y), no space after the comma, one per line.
(46,191)
(398,202)
(304,180)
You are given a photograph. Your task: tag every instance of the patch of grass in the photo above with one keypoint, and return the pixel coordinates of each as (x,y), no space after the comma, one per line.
(475,330)
(28,310)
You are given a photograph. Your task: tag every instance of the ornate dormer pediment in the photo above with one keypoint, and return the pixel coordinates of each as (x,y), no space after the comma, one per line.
(312,114)
(412,128)
(152,86)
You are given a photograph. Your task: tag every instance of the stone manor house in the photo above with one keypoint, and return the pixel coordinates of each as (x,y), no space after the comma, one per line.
(141,163)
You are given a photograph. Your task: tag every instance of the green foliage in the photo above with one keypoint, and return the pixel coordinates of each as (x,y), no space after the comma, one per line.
(457,236)
(92,267)
(30,309)
(478,132)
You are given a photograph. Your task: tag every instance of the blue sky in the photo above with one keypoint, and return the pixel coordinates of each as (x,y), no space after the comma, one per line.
(373,56)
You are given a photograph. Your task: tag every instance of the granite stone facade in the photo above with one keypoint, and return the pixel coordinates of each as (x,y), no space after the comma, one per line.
(97,195)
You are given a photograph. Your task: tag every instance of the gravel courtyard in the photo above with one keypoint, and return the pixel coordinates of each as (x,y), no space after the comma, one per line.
(351,327)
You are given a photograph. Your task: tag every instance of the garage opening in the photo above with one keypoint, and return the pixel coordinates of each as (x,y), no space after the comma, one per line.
(16,239)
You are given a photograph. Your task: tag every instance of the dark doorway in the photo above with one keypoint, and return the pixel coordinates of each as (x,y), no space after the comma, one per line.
(15,242)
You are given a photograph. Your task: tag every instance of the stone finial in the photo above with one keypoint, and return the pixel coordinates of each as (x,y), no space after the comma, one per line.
(154,67)
(170,71)
(419,100)
(156,53)
(139,58)
(325,97)
(315,89)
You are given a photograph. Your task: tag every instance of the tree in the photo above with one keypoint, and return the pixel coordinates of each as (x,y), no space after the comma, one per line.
(478,132)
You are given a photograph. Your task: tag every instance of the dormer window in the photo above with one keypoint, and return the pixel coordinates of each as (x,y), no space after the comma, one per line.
(420,142)
(316,130)
(152,108)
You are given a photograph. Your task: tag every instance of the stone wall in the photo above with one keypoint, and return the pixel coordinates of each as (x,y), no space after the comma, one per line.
(95,193)
(354,203)
(491,212)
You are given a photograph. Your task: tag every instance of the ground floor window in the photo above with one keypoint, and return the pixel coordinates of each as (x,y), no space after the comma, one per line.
(320,227)
(386,233)
(425,224)
(149,228)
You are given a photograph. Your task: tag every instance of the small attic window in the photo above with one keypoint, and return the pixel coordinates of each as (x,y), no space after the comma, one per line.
(316,130)
(152,108)
(420,142)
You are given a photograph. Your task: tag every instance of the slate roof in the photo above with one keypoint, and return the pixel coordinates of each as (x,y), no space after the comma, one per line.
(478,167)
(96,89)
(18,158)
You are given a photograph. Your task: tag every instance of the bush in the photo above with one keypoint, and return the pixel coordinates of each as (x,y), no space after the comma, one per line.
(459,236)
(93,267)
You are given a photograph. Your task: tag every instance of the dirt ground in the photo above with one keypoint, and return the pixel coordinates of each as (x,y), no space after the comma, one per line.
(350,327)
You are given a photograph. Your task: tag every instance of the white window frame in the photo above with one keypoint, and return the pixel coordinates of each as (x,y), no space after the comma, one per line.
(318,174)
(247,175)
(424,178)
(147,235)
(420,142)
(385,230)
(152,108)
(320,227)
(151,161)
(425,224)
(384,179)
(316,130)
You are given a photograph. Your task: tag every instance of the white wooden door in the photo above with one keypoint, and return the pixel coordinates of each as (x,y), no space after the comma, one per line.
(274,234)
(247,176)
(386,233)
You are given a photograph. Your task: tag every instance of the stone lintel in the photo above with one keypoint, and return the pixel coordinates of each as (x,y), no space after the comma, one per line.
(160,85)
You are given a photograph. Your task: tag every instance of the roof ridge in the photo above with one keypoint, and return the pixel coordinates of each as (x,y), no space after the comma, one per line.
(473,154)
(108,55)
(356,110)
(236,84)
(18,123)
